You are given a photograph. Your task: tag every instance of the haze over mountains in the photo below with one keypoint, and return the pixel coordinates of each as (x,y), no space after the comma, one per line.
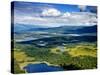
(62,29)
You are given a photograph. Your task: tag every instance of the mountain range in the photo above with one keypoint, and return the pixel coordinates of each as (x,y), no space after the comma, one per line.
(62,29)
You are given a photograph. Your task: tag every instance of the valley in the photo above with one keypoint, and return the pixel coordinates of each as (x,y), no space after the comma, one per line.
(68,51)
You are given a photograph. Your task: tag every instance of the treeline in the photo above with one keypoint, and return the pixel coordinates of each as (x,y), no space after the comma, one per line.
(82,62)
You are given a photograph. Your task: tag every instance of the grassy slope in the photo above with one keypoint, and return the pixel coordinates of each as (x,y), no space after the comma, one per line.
(83,51)
(82,54)
(78,50)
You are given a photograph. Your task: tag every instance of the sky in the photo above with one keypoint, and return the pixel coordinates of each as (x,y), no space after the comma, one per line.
(54,15)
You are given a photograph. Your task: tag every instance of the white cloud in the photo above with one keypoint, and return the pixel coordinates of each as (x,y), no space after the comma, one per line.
(57,19)
(51,12)
(67,14)
(82,7)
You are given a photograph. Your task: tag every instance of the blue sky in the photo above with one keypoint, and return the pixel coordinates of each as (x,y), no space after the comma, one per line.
(54,15)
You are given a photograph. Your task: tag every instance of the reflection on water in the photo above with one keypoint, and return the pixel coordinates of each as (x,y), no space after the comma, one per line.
(25,39)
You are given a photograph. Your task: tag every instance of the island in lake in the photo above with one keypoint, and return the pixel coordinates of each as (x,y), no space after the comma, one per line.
(48,37)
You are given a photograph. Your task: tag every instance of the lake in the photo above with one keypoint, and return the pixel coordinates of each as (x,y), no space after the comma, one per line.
(49,35)
(41,67)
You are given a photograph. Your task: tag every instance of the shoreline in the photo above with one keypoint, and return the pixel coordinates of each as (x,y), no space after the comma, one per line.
(22,65)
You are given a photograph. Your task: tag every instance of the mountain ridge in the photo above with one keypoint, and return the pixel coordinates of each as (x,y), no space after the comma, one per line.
(61,29)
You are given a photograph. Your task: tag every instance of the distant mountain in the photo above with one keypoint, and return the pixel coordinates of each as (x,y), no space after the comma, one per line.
(89,29)
(61,29)
(24,27)
(73,29)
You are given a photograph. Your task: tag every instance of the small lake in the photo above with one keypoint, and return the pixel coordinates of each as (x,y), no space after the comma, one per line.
(41,67)
(26,39)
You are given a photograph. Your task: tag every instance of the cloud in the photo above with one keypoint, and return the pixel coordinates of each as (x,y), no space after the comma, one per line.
(67,14)
(52,17)
(51,12)
(82,7)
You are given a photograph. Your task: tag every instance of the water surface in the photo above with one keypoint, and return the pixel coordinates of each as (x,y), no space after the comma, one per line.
(41,67)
